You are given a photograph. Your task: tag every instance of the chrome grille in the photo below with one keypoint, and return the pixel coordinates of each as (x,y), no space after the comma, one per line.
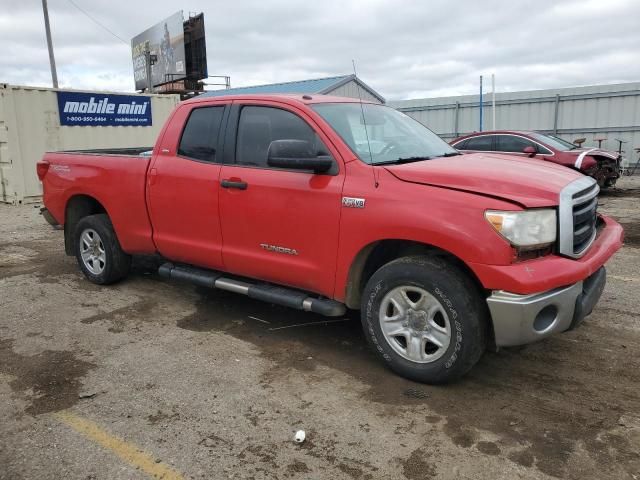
(577,216)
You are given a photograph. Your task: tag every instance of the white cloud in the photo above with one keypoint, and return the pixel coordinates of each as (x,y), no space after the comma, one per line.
(403,49)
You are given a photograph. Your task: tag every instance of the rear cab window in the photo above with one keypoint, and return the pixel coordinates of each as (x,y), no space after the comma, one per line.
(200,137)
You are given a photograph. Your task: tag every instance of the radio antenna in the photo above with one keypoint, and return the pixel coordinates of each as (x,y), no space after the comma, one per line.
(364,121)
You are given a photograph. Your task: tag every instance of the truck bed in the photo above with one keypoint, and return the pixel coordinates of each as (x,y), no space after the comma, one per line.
(128,152)
(115,178)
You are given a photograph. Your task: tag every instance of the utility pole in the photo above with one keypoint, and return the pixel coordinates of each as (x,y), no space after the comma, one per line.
(148,61)
(52,59)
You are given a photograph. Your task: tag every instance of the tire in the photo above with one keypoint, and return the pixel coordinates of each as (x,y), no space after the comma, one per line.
(439,298)
(98,251)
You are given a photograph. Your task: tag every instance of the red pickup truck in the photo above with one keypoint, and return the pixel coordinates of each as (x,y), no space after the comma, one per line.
(325,203)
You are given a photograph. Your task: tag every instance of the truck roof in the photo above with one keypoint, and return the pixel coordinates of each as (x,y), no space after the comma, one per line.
(288,98)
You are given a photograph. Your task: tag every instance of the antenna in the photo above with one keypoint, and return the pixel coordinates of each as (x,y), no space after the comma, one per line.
(364,121)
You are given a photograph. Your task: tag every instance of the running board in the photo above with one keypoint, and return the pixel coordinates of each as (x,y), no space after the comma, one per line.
(263,291)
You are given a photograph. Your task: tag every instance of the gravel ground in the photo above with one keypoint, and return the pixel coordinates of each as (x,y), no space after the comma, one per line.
(156,378)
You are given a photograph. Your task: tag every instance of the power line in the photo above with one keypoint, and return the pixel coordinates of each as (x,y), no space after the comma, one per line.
(97,22)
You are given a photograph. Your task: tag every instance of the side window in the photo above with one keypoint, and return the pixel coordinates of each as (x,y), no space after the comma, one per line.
(510,143)
(461,145)
(200,135)
(259,126)
(483,143)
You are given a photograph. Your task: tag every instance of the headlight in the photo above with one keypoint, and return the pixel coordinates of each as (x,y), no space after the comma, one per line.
(529,228)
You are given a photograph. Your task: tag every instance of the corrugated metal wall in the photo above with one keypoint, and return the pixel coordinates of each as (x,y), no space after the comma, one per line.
(601,111)
(29,126)
(350,89)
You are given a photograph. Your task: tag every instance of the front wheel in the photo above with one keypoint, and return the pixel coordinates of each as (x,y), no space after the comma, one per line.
(425,318)
(98,251)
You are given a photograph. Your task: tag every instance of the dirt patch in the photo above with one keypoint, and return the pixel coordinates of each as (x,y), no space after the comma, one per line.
(297,466)
(620,192)
(631,233)
(501,395)
(524,458)
(137,310)
(162,417)
(416,467)
(488,448)
(50,381)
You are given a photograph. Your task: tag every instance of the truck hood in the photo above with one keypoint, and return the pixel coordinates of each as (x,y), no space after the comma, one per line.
(530,183)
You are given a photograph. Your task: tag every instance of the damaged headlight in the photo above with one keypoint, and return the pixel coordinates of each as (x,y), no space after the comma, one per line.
(528,228)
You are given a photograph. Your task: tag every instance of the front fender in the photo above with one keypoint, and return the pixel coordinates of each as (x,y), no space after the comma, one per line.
(450,220)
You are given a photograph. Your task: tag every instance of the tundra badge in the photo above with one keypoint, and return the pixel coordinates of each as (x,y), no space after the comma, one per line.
(352,202)
(278,249)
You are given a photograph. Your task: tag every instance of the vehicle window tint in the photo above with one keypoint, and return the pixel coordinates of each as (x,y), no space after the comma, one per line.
(259,126)
(461,145)
(200,136)
(510,143)
(482,144)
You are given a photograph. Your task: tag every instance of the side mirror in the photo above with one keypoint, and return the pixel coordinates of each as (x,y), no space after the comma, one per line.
(297,155)
(531,151)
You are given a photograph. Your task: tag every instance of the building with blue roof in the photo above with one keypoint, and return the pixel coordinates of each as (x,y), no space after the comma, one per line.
(342,86)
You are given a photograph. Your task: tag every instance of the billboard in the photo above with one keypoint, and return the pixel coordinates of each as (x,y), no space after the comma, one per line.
(195,47)
(90,109)
(165,41)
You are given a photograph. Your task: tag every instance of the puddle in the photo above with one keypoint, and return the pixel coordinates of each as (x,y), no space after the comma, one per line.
(50,381)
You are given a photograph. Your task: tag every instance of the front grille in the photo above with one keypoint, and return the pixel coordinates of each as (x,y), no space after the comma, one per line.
(577,217)
(584,220)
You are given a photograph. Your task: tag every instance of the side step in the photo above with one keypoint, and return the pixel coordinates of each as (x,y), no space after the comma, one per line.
(263,291)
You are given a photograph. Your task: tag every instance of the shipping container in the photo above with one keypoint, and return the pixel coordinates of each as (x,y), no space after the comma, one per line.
(30,126)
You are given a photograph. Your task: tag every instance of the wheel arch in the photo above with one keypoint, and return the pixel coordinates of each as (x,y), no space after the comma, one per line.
(376,254)
(78,207)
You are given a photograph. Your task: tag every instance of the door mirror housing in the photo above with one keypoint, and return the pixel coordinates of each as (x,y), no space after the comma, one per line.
(297,155)
(531,151)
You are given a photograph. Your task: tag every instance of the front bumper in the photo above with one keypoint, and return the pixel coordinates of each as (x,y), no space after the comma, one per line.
(521,319)
(552,271)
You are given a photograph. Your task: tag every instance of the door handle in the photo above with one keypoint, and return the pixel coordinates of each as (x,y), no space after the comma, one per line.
(233,184)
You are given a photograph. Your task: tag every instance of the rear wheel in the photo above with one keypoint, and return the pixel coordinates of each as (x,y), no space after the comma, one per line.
(425,318)
(98,251)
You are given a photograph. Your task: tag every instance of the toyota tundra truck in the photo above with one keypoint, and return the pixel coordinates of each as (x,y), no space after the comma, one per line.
(325,204)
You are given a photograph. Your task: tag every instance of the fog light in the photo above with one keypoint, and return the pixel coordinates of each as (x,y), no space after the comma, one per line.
(545,318)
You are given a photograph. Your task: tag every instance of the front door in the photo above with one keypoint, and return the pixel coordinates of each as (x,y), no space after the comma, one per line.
(182,187)
(279,225)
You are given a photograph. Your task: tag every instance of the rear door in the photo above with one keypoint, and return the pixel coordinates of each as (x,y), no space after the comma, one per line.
(515,145)
(278,225)
(481,143)
(183,185)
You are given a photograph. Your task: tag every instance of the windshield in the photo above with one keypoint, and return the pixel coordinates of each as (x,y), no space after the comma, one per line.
(389,137)
(554,142)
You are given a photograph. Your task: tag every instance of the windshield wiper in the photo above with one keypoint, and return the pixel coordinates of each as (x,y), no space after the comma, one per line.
(400,160)
(449,154)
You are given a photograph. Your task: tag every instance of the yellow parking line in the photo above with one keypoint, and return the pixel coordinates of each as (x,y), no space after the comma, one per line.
(126,451)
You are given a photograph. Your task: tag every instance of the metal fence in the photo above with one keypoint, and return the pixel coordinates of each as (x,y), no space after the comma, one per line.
(600,112)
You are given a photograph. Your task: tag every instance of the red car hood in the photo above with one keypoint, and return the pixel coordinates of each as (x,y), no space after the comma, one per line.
(531,183)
